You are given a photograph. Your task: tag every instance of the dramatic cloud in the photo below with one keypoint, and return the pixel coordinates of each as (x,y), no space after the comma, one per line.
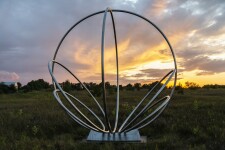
(156,73)
(30,31)
(8,76)
(205,64)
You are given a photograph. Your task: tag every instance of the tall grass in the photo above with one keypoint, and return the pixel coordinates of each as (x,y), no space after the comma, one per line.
(195,120)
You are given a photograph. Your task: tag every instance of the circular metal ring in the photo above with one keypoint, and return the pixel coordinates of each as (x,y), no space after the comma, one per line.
(125,125)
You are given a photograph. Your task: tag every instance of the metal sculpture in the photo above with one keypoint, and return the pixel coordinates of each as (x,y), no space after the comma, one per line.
(128,131)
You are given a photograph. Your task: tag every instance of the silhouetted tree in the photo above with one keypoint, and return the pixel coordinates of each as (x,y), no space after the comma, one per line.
(121,87)
(36,85)
(145,86)
(77,86)
(67,86)
(4,88)
(155,84)
(192,85)
(107,85)
(179,88)
(12,88)
(96,89)
(129,87)
(19,85)
(137,86)
(110,89)
(213,86)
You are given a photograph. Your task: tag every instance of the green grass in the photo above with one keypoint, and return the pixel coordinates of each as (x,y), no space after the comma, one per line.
(195,120)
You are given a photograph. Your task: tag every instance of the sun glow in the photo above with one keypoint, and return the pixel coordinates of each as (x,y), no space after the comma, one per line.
(149,65)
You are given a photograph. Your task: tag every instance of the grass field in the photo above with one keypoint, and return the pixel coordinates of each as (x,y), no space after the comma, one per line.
(34,120)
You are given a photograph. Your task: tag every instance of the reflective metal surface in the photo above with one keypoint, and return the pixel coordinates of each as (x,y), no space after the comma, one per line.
(129,125)
(132,136)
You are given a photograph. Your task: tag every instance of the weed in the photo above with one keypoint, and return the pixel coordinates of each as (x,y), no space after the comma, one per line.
(34,120)
(34,130)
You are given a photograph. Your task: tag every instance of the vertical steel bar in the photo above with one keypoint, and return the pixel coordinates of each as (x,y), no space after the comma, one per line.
(103,72)
(117,72)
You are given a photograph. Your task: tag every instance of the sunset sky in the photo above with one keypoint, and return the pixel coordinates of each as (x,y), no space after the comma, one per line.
(31,29)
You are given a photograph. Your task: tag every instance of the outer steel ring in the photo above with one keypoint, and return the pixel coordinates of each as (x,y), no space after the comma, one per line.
(124,126)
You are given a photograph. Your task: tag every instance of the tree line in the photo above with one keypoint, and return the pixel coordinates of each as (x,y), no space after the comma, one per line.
(96,89)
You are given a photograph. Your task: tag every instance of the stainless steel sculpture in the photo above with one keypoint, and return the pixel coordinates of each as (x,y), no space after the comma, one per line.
(128,130)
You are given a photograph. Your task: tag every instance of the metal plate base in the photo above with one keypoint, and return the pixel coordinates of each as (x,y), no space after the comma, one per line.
(131,136)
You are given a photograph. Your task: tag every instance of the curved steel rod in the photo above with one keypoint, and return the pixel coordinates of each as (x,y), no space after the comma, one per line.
(149,92)
(149,103)
(164,36)
(68,99)
(166,98)
(104,19)
(126,120)
(154,117)
(157,102)
(103,74)
(80,83)
(128,12)
(117,73)
(68,31)
(103,126)
(75,118)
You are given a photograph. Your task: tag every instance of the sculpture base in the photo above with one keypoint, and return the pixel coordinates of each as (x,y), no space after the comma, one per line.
(131,136)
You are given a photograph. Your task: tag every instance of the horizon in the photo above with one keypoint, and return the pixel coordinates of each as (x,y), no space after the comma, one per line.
(33,29)
(183,85)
